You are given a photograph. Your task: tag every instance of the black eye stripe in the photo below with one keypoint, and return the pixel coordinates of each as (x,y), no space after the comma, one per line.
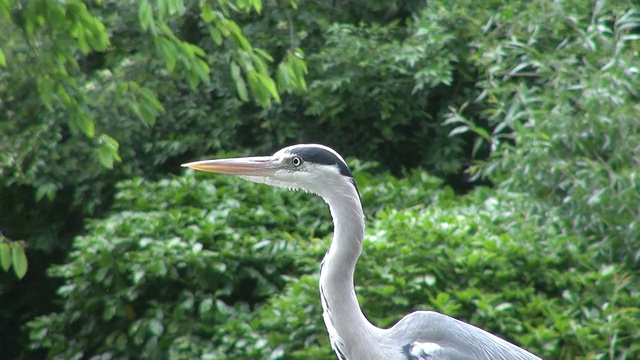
(321,156)
(318,155)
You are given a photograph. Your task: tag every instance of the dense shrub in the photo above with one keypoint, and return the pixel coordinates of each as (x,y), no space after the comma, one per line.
(559,93)
(137,279)
(388,85)
(179,250)
(481,259)
(195,268)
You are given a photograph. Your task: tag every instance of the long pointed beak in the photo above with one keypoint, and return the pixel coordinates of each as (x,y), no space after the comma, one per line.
(248,166)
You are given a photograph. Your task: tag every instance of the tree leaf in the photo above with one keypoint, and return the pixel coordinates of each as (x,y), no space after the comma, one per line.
(215,35)
(5,256)
(257,5)
(259,64)
(196,50)
(142,114)
(206,13)
(176,7)
(237,35)
(162,9)
(482,132)
(19,259)
(297,69)
(145,16)
(48,190)
(156,327)
(202,69)
(82,122)
(459,130)
(269,85)
(148,111)
(109,142)
(45,88)
(5,9)
(168,49)
(283,78)
(263,54)
(241,86)
(260,93)
(150,97)
(105,156)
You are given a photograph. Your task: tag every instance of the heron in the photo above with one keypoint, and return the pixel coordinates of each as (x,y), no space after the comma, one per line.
(420,335)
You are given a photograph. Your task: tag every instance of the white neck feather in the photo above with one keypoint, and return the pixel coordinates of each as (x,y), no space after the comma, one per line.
(348,328)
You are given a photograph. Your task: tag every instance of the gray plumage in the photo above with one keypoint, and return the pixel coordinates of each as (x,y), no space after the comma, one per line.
(422,335)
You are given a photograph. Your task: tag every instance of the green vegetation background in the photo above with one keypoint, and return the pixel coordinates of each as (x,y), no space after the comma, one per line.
(495,145)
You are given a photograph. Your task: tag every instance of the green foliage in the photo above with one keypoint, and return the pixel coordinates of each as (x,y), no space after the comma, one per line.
(381,74)
(180,259)
(216,267)
(559,87)
(66,61)
(12,254)
(484,259)
(162,276)
(127,96)
(480,259)
(158,90)
(386,84)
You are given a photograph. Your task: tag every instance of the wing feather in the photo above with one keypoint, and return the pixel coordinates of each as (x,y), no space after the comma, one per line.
(433,336)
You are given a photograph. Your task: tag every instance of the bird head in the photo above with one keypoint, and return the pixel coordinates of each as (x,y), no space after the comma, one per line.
(309,167)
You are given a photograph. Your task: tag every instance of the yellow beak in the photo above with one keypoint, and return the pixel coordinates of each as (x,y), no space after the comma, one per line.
(248,166)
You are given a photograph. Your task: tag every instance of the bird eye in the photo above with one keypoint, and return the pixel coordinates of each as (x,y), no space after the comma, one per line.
(296,161)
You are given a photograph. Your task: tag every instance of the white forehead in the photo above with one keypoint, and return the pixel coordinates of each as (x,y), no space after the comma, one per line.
(289,150)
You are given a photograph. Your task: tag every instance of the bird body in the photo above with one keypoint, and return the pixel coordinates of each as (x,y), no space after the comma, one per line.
(421,335)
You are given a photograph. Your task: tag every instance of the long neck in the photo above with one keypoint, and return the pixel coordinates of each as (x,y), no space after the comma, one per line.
(346,323)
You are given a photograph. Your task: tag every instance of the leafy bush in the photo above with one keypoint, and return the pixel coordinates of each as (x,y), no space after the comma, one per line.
(76,103)
(215,268)
(388,84)
(182,250)
(139,278)
(559,92)
(480,259)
